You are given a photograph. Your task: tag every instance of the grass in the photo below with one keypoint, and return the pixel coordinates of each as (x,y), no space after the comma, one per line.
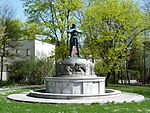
(143,90)
(8,106)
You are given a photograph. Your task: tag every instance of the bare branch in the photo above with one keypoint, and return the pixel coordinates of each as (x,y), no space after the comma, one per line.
(7,12)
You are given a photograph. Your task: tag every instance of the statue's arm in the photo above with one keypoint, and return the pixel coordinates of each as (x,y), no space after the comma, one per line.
(68,31)
(79,31)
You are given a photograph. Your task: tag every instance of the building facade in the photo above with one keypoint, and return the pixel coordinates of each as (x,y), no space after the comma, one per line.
(27,49)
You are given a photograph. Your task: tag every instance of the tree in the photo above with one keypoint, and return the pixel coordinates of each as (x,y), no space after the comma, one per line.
(111,27)
(146,8)
(12,32)
(2,29)
(55,16)
(30,30)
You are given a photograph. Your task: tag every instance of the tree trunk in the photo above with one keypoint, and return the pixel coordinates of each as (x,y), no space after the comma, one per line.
(128,77)
(118,76)
(107,78)
(114,76)
(144,77)
(2,60)
(121,77)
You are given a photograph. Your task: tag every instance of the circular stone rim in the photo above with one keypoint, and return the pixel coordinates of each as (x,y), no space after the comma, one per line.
(121,98)
(40,94)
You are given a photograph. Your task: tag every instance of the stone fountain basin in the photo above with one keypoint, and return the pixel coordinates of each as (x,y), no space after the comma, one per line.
(75,85)
(41,93)
(72,87)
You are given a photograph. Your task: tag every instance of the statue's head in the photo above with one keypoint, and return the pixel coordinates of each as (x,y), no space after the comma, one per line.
(73,26)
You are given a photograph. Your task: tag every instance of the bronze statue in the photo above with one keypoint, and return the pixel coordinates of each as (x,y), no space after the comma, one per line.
(74,47)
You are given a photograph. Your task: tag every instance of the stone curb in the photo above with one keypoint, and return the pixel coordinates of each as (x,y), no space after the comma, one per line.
(124,97)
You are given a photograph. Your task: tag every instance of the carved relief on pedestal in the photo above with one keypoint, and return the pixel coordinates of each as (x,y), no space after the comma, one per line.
(78,67)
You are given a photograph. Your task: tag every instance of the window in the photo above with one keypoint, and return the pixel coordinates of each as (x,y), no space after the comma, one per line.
(28,52)
(18,52)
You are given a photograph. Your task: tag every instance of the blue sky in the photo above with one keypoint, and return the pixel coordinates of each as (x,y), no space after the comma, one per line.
(17,5)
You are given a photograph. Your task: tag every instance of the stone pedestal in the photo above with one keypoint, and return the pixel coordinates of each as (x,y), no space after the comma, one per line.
(75,85)
(75,78)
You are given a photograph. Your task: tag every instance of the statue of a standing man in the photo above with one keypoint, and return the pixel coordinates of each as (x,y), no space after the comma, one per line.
(74,47)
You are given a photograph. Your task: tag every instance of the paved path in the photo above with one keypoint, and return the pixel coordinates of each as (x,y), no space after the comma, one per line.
(123,97)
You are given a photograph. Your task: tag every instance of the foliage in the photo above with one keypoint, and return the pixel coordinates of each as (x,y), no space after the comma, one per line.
(5,83)
(15,72)
(112,28)
(9,40)
(146,8)
(31,71)
(134,74)
(31,30)
(101,68)
(2,29)
(55,17)
(61,51)
(12,31)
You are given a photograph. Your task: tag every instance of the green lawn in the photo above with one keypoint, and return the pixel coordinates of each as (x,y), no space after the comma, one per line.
(8,106)
(143,90)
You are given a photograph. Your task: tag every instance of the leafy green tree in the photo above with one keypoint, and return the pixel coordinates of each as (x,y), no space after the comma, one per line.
(12,31)
(2,29)
(31,30)
(55,16)
(9,40)
(111,27)
(146,8)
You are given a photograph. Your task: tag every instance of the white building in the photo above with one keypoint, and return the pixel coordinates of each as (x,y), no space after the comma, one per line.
(27,49)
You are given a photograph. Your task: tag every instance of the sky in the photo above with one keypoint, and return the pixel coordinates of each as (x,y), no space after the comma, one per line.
(17,5)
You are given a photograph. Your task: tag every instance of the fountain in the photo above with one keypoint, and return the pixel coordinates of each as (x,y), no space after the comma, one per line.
(75,76)
(75,82)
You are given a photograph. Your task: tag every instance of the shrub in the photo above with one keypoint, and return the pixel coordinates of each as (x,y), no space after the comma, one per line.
(134,74)
(15,73)
(5,83)
(31,71)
